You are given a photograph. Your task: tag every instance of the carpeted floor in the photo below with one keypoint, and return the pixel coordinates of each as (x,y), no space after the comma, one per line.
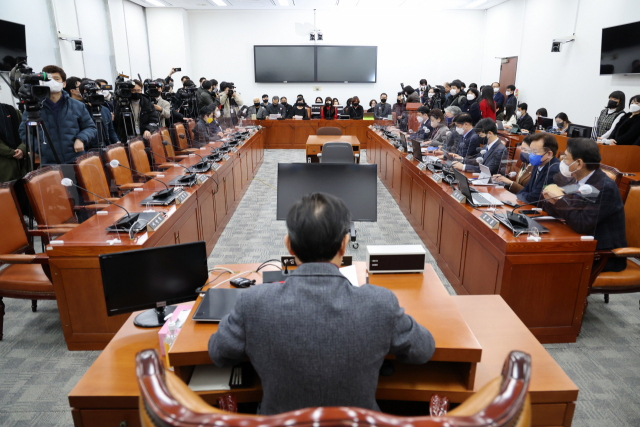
(37,372)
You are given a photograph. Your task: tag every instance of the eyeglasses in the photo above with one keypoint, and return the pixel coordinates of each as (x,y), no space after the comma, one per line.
(540,152)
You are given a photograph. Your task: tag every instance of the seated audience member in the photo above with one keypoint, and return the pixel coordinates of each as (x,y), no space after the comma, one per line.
(382,110)
(202,131)
(439,131)
(411,95)
(510,117)
(562,121)
(257,109)
(601,217)
(372,106)
(518,180)
(299,110)
(276,108)
(525,122)
(541,112)
(356,111)
(205,95)
(301,98)
(453,137)
(545,166)
(424,130)
(269,335)
(469,141)
(487,104)
(498,97)
(494,149)
(109,135)
(335,101)
(399,106)
(318,100)
(455,94)
(471,105)
(627,130)
(612,112)
(214,127)
(511,96)
(287,107)
(265,100)
(347,107)
(328,111)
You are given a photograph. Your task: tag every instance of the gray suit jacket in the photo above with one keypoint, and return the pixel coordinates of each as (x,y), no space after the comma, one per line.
(315,340)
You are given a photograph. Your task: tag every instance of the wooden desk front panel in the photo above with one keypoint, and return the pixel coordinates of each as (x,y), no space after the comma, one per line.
(535,279)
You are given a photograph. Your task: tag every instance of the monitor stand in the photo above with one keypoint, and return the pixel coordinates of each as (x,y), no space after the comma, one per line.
(153,318)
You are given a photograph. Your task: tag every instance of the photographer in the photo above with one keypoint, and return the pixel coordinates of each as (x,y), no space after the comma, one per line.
(67,120)
(14,162)
(205,97)
(144,114)
(187,99)
(229,99)
(108,95)
(109,135)
(162,106)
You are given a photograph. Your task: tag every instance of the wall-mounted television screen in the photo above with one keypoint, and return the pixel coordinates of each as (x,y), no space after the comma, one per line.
(13,44)
(620,49)
(353,64)
(279,64)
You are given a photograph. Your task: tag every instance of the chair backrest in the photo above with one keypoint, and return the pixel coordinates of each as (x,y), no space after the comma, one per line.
(119,175)
(612,173)
(139,156)
(308,112)
(337,152)
(158,149)
(191,125)
(14,234)
(329,130)
(166,136)
(632,216)
(167,401)
(181,135)
(91,176)
(48,198)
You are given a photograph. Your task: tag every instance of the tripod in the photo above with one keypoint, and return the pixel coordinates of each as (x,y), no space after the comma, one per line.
(33,122)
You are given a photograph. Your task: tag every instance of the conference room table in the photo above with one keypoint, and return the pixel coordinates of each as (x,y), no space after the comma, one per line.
(315,144)
(473,336)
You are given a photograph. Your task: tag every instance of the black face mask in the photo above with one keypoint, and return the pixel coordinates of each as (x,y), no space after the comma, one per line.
(355,104)
(328,104)
(300,104)
(284,102)
(266,101)
(612,104)
(383,100)
(136,96)
(256,104)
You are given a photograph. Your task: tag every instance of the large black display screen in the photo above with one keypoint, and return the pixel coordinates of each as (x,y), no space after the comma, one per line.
(278,64)
(13,44)
(620,49)
(353,64)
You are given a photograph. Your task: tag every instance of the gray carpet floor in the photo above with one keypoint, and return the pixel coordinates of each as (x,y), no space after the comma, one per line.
(37,372)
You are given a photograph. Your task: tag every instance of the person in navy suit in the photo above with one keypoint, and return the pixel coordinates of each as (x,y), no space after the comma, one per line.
(498,97)
(545,166)
(469,142)
(491,154)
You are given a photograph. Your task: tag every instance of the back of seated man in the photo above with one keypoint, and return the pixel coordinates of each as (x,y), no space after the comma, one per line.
(316,340)
(545,166)
(603,216)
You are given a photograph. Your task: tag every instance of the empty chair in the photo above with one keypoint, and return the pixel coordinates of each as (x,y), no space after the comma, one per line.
(337,152)
(91,176)
(121,176)
(163,153)
(329,130)
(139,157)
(179,136)
(49,200)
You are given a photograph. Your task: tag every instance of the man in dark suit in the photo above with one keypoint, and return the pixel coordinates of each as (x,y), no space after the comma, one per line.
(316,340)
(492,153)
(498,97)
(469,142)
(525,122)
(599,214)
(545,166)
(511,96)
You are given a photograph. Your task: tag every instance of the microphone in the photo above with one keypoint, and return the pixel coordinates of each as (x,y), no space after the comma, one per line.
(148,150)
(202,162)
(175,146)
(67,182)
(160,194)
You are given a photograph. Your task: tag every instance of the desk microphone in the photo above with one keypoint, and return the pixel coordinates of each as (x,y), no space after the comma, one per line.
(67,182)
(521,219)
(160,194)
(175,146)
(148,150)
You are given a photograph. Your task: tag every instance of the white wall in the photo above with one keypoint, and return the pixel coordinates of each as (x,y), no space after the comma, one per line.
(93,22)
(168,36)
(222,47)
(136,29)
(568,81)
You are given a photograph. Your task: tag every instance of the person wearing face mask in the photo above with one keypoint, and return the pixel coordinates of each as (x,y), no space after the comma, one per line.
(540,112)
(471,105)
(382,110)
(511,96)
(286,106)
(301,98)
(545,166)
(452,136)
(108,95)
(602,216)
(258,109)
(454,94)
(205,96)
(265,100)
(498,97)
(67,120)
(517,180)
(611,114)
(328,111)
(562,122)
(439,130)
(509,118)
(145,117)
(626,131)
(372,106)
(412,96)
(525,122)
(202,131)
(469,140)
(399,107)
(356,111)
(276,108)
(423,90)
(494,149)
(109,135)
(162,106)
(214,127)
(299,110)
(429,98)
(424,128)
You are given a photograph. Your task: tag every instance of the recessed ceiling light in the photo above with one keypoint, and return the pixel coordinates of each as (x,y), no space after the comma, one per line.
(476,3)
(283,2)
(217,2)
(155,3)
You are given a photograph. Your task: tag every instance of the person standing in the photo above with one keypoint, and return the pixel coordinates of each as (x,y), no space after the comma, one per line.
(487,104)
(14,157)
(612,113)
(511,96)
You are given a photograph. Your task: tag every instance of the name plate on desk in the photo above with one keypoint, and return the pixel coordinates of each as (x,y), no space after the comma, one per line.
(201,178)
(421,166)
(241,143)
(458,196)
(234,149)
(180,198)
(489,221)
(215,166)
(155,222)
(409,157)
(225,157)
(436,177)
(401,149)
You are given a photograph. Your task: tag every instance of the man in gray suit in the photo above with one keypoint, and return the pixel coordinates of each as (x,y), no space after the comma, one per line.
(315,340)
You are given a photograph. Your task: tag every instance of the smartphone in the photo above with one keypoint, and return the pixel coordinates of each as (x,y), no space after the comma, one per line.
(177,69)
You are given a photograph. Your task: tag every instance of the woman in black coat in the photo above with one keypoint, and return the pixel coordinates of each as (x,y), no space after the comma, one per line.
(356,111)
(627,130)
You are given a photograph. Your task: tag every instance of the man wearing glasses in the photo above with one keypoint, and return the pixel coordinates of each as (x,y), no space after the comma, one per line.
(544,164)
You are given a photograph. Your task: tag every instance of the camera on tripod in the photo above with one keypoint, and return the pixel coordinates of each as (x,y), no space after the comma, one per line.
(152,88)
(92,93)
(26,84)
(123,87)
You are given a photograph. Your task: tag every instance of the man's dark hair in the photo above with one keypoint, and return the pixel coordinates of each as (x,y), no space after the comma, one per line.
(188,82)
(486,125)
(586,150)
(423,109)
(202,79)
(423,82)
(549,141)
(214,82)
(473,85)
(138,83)
(437,113)
(206,85)
(542,112)
(100,81)
(206,110)
(523,106)
(409,90)
(456,83)
(317,225)
(464,118)
(55,69)
(183,78)
(72,82)
(83,85)
(265,96)
(380,95)
(511,87)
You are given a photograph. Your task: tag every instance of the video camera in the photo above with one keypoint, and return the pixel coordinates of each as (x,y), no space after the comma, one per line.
(26,84)
(152,88)
(123,87)
(91,93)
(225,85)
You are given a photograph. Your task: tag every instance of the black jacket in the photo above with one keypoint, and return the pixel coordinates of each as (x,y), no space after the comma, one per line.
(149,120)
(526,122)
(276,109)
(356,112)
(287,109)
(296,112)
(531,193)
(627,131)
(454,100)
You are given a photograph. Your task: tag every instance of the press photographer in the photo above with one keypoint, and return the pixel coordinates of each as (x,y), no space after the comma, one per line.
(92,95)
(135,113)
(230,100)
(188,99)
(67,120)
(153,89)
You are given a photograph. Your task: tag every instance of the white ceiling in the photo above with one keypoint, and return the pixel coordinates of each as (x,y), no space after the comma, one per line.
(325,4)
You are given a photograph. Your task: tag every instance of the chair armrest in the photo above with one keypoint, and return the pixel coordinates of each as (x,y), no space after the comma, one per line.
(188,150)
(129,186)
(178,158)
(46,227)
(626,252)
(152,173)
(49,232)
(41,258)
(96,207)
(166,165)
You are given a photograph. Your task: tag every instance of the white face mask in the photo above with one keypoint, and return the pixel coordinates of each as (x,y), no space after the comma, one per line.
(496,89)
(508,92)
(634,108)
(54,85)
(460,131)
(106,94)
(431,95)
(518,114)
(420,119)
(471,97)
(564,169)
(453,91)
(423,87)
(217,113)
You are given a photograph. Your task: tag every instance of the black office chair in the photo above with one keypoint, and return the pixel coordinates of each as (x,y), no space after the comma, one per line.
(337,152)
(329,130)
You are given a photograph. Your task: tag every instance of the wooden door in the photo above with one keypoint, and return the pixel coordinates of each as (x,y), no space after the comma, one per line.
(508,73)
(397,174)
(431,217)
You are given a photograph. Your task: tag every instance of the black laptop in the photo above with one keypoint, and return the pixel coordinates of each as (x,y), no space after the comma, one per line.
(217,303)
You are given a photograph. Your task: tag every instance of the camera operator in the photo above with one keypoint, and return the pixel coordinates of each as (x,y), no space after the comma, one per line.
(163,107)
(109,135)
(144,114)
(205,98)
(229,99)
(108,95)
(67,120)
(187,99)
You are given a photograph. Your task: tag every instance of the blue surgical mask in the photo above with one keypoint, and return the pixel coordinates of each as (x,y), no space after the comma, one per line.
(524,157)
(448,120)
(535,159)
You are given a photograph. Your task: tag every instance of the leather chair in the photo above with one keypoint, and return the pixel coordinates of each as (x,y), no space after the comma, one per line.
(191,124)
(329,130)
(91,176)
(628,280)
(612,173)
(180,137)
(49,199)
(139,157)
(159,149)
(27,276)
(167,401)
(121,176)
(337,152)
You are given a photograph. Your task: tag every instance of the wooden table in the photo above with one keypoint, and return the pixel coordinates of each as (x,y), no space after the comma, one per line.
(108,393)
(544,282)
(316,142)
(203,216)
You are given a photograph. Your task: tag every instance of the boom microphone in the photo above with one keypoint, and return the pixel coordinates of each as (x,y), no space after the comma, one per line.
(160,194)
(67,182)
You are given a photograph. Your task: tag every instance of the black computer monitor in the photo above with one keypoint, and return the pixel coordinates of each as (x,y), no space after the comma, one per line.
(339,109)
(417,151)
(579,131)
(153,279)
(463,184)
(545,122)
(355,184)
(403,141)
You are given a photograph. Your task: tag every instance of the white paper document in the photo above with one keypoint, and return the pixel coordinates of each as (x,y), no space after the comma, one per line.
(210,377)
(351,274)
